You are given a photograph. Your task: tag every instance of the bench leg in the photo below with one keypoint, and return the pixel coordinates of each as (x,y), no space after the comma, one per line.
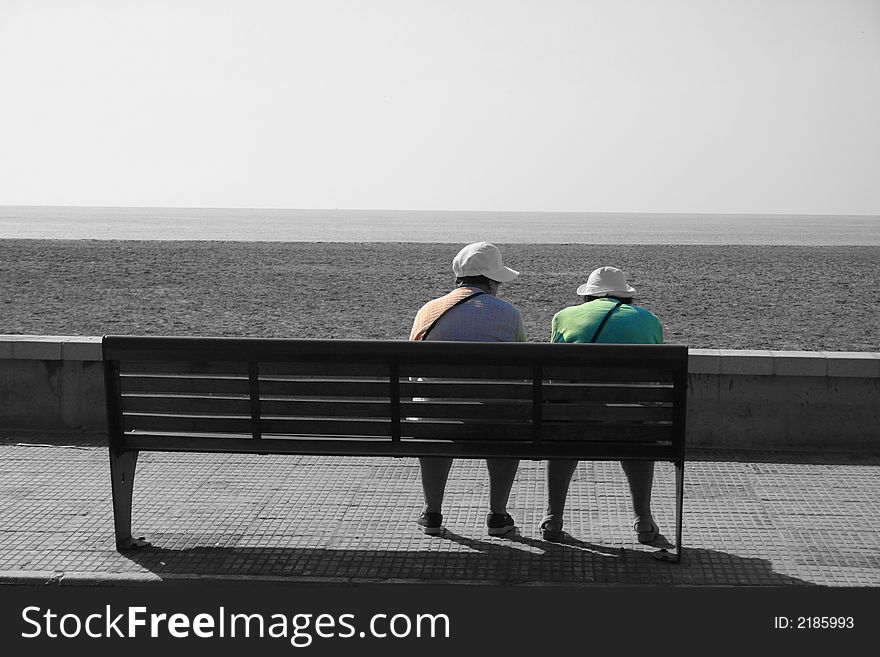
(664,554)
(679,508)
(122,468)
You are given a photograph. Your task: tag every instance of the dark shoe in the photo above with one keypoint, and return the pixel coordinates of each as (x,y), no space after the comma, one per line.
(499,523)
(646,530)
(551,528)
(430,522)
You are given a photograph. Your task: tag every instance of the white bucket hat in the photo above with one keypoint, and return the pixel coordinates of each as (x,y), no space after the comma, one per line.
(606,281)
(482,259)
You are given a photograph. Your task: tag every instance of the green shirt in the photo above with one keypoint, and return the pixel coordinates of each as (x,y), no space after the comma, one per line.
(627,325)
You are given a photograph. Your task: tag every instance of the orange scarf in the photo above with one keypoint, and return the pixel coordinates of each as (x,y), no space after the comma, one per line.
(432,311)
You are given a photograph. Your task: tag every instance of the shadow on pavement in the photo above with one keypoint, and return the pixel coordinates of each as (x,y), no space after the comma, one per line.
(507,561)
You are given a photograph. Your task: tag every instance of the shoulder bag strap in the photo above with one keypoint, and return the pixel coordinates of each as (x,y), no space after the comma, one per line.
(605,319)
(460,301)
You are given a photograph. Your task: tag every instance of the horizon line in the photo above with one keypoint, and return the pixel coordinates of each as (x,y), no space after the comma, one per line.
(337,209)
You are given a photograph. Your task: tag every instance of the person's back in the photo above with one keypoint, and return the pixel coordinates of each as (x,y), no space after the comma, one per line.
(628,324)
(484,318)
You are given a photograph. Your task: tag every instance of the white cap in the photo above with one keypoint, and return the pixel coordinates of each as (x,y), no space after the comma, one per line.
(482,259)
(606,281)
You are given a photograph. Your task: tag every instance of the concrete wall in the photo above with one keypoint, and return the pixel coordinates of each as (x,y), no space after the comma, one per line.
(51,383)
(773,400)
(784,400)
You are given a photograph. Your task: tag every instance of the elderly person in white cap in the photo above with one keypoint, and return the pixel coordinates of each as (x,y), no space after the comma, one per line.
(471,312)
(608,315)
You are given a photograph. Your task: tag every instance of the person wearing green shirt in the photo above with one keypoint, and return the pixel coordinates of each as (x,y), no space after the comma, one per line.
(606,315)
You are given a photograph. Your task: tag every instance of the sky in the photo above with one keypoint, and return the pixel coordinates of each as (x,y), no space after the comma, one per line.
(703,106)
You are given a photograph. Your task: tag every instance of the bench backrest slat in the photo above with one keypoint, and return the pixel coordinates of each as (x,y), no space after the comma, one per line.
(608,413)
(155,383)
(631,373)
(324,388)
(595,392)
(198,404)
(168,367)
(467,389)
(624,433)
(186,423)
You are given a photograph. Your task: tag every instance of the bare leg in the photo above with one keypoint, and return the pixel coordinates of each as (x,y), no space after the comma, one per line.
(501,475)
(435,472)
(559,474)
(640,475)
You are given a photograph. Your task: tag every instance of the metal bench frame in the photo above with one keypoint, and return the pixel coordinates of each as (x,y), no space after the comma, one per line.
(360,398)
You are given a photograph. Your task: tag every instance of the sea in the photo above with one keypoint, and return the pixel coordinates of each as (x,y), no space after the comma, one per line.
(428,226)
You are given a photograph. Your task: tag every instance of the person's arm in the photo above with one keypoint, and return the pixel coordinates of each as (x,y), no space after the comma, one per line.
(416,324)
(554,332)
(520,329)
(659,331)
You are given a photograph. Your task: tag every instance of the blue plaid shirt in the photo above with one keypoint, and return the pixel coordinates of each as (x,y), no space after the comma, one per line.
(485,318)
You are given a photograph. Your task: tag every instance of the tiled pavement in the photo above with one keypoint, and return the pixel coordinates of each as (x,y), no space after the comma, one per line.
(749,520)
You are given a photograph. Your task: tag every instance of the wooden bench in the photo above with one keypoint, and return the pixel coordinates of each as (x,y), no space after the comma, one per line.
(391,398)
